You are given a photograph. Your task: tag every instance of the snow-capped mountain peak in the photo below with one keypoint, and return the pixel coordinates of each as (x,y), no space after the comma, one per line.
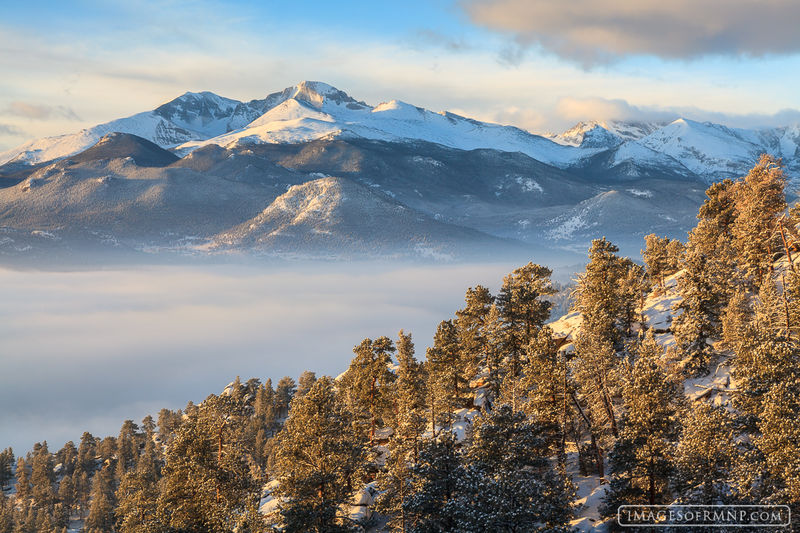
(203,106)
(707,149)
(314,94)
(312,110)
(602,133)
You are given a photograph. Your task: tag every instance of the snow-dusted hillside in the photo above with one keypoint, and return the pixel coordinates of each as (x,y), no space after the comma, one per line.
(337,216)
(659,311)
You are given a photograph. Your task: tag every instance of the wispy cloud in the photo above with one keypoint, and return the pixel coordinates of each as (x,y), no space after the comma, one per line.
(429,37)
(602,31)
(9,129)
(39,111)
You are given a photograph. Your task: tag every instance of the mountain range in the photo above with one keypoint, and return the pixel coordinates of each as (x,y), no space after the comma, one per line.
(311,171)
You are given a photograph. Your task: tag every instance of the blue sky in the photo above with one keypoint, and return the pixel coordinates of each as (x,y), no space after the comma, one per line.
(538,64)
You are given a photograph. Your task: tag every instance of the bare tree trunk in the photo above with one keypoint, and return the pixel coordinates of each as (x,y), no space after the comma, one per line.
(609,408)
(219,454)
(372,411)
(594,446)
(786,308)
(564,416)
(433,416)
(402,506)
(786,247)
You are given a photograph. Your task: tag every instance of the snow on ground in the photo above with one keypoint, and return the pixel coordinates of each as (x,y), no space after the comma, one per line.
(644,193)
(715,387)
(566,228)
(269,505)
(591,491)
(659,307)
(589,494)
(659,311)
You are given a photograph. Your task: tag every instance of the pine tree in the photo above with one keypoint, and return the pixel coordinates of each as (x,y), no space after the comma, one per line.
(760,201)
(633,290)
(67,456)
(596,372)
(318,459)
(284,393)
(641,461)
(25,519)
(704,288)
(705,456)
(207,483)
(434,481)
(447,384)
(42,478)
(494,353)
(763,361)
(6,465)
(101,509)
(656,258)
(168,422)
(366,384)
(767,372)
(772,310)
(80,479)
(509,484)
(599,296)
(264,421)
(266,409)
(736,318)
(779,439)
(137,511)
(471,323)
(6,514)
(149,426)
(548,386)
(127,447)
(66,494)
(790,283)
(523,310)
(720,206)
(675,254)
(305,382)
(44,521)
(409,392)
(107,450)
(23,486)
(60,518)
(410,424)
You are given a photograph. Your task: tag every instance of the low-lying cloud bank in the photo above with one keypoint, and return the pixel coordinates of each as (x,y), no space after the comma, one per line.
(83,351)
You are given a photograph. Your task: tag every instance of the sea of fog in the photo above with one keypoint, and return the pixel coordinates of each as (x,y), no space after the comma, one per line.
(85,350)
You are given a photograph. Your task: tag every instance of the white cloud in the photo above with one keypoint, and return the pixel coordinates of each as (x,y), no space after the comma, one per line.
(571,110)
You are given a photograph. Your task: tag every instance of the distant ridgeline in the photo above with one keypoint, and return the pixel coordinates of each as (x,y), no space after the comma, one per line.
(312,172)
(676,382)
